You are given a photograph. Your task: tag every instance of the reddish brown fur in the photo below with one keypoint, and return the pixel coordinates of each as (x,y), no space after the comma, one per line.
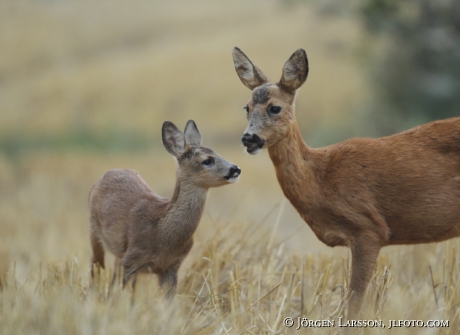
(148,233)
(362,193)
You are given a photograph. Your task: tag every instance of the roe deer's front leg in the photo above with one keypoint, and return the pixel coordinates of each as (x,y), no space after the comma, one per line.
(364,253)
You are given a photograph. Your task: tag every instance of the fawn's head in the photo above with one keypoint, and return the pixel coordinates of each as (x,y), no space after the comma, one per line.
(270,111)
(197,164)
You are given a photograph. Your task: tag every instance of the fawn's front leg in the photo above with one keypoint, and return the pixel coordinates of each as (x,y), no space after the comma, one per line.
(132,262)
(168,280)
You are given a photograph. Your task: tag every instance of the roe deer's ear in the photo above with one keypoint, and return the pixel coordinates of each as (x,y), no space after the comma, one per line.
(295,71)
(192,134)
(250,75)
(173,139)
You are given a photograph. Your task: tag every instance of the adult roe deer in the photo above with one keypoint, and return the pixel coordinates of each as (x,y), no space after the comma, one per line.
(148,233)
(362,193)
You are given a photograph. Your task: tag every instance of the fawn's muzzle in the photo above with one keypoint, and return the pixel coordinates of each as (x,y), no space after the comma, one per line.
(253,143)
(233,174)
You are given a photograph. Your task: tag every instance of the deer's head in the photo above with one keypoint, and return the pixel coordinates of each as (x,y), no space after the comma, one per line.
(197,164)
(270,111)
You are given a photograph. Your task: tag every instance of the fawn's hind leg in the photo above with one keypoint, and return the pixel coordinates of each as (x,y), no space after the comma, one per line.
(98,250)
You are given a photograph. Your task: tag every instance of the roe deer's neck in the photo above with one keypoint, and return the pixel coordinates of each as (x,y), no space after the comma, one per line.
(298,169)
(185,209)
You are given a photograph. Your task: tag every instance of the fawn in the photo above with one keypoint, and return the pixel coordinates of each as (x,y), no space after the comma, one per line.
(362,193)
(148,233)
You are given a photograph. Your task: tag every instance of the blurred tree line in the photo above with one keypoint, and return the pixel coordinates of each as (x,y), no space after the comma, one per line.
(411,50)
(417,77)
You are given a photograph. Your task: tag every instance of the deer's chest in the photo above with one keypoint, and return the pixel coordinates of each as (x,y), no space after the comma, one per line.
(307,198)
(326,229)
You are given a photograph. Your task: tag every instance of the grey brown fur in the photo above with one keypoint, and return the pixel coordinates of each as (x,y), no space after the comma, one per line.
(148,233)
(261,95)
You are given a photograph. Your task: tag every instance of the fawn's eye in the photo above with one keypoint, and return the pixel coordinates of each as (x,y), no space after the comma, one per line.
(274,109)
(208,162)
(246,108)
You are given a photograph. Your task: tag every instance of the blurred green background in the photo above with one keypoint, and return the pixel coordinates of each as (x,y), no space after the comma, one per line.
(85,87)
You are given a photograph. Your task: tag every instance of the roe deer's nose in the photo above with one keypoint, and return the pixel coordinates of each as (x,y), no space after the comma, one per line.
(235,171)
(252,141)
(247,139)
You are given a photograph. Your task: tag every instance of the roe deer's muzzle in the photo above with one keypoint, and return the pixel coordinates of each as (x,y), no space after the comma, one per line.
(253,143)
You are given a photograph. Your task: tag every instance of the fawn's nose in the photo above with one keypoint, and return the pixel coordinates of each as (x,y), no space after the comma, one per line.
(233,174)
(235,171)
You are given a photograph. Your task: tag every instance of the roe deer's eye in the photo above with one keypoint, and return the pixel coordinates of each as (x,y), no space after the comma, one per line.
(208,162)
(274,109)
(246,108)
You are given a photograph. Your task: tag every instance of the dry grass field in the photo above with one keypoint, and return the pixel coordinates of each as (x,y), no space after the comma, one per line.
(85,87)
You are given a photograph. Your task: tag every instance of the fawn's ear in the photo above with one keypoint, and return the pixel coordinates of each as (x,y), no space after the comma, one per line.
(192,134)
(295,71)
(250,75)
(173,139)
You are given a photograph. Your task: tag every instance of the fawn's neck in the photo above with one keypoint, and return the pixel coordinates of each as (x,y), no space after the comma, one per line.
(185,209)
(298,169)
